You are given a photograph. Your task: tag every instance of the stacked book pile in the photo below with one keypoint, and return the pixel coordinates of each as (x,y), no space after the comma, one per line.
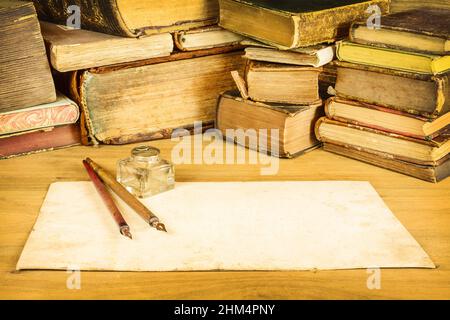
(393,97)
(33,116)
(279,99)
(140,69)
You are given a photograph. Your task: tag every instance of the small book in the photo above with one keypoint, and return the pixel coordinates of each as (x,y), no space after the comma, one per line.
(389,120)
(149,99)
(425,95)
(25,79)
(206,38)
(392,58)
(294,124)
(132,18)
(62,111)
(404,148)
(315,56)
(280,83)
(293,23)
(75,49)
(39,140)
(430,173)
(424,30)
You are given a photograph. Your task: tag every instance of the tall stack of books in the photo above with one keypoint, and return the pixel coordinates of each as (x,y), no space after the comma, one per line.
(141,69)
(33,116)
(278,99)
(392,107)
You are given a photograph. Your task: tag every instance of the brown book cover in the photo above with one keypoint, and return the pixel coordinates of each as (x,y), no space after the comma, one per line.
(39,140)
(149,99)
(132,18)
(25,78)
(434,174)
(294,124)
(414,93)
(422,25)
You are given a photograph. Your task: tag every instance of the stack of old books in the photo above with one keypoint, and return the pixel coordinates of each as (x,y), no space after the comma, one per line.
(393,97)
(33,116)
(140,69)
(278,101)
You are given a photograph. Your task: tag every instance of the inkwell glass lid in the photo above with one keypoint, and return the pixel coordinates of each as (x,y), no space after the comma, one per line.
(145,153)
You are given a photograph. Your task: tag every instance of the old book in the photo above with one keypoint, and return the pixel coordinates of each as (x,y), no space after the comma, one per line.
(327,80)
(405,5)
(25,78)
(370,140)
(292,23)
(39,140)
(385,119)
(420,30)
(434,174)
(132,18)
(62,111)
(75,49)
(392,58)
(206,38)
(294,125)
(315,56)
(414,93)
(273,82)
(149,99)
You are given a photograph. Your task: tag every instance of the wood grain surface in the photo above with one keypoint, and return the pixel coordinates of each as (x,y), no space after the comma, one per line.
(422,207)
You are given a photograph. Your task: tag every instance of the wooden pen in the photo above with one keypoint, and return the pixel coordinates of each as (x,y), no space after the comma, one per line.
(127,197)
(108,200)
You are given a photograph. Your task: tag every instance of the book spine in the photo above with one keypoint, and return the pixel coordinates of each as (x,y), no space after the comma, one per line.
(97,15)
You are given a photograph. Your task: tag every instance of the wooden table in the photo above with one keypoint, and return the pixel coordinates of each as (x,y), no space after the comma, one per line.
(423,208)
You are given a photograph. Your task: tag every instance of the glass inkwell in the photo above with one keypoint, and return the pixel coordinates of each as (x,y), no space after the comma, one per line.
(145,173)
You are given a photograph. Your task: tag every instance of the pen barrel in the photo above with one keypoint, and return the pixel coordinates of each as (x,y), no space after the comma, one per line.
(123,193)
(106,196)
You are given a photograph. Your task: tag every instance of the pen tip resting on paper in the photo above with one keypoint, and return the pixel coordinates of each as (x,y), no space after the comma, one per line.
(161,227)
(126,232)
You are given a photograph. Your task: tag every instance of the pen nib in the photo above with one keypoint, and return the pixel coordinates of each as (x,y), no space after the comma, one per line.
(161,227)
(126,232)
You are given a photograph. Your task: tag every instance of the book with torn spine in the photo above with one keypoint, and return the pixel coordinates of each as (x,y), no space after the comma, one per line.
(294,124)
(206,38)
(315,56)
(423,63)
(400,147)
(384,119)
(150,99)
(62,111)
(420,30)
(26,78)
(425,95)
(132,18)
(75,49)
(292,23)
(280,83)
(430,173)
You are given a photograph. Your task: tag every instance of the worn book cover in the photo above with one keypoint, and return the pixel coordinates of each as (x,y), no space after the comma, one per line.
(206,38)
(292,23)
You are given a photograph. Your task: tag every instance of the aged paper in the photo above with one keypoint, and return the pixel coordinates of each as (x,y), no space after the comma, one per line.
(225,226)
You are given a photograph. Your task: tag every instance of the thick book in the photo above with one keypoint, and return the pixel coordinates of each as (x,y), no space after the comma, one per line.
(420,30)
(258,121)
(25,78)
(206,38)
(392,58)
(36,141)
(314,56)
(404,148)
(132,18)
(75,49)
(414,93)
(294,23)
(281,83)
(430,173)
(389,120)
(62,111)
(150,99)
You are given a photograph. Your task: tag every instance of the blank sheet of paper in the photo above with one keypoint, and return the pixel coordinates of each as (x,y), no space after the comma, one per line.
(224,226)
